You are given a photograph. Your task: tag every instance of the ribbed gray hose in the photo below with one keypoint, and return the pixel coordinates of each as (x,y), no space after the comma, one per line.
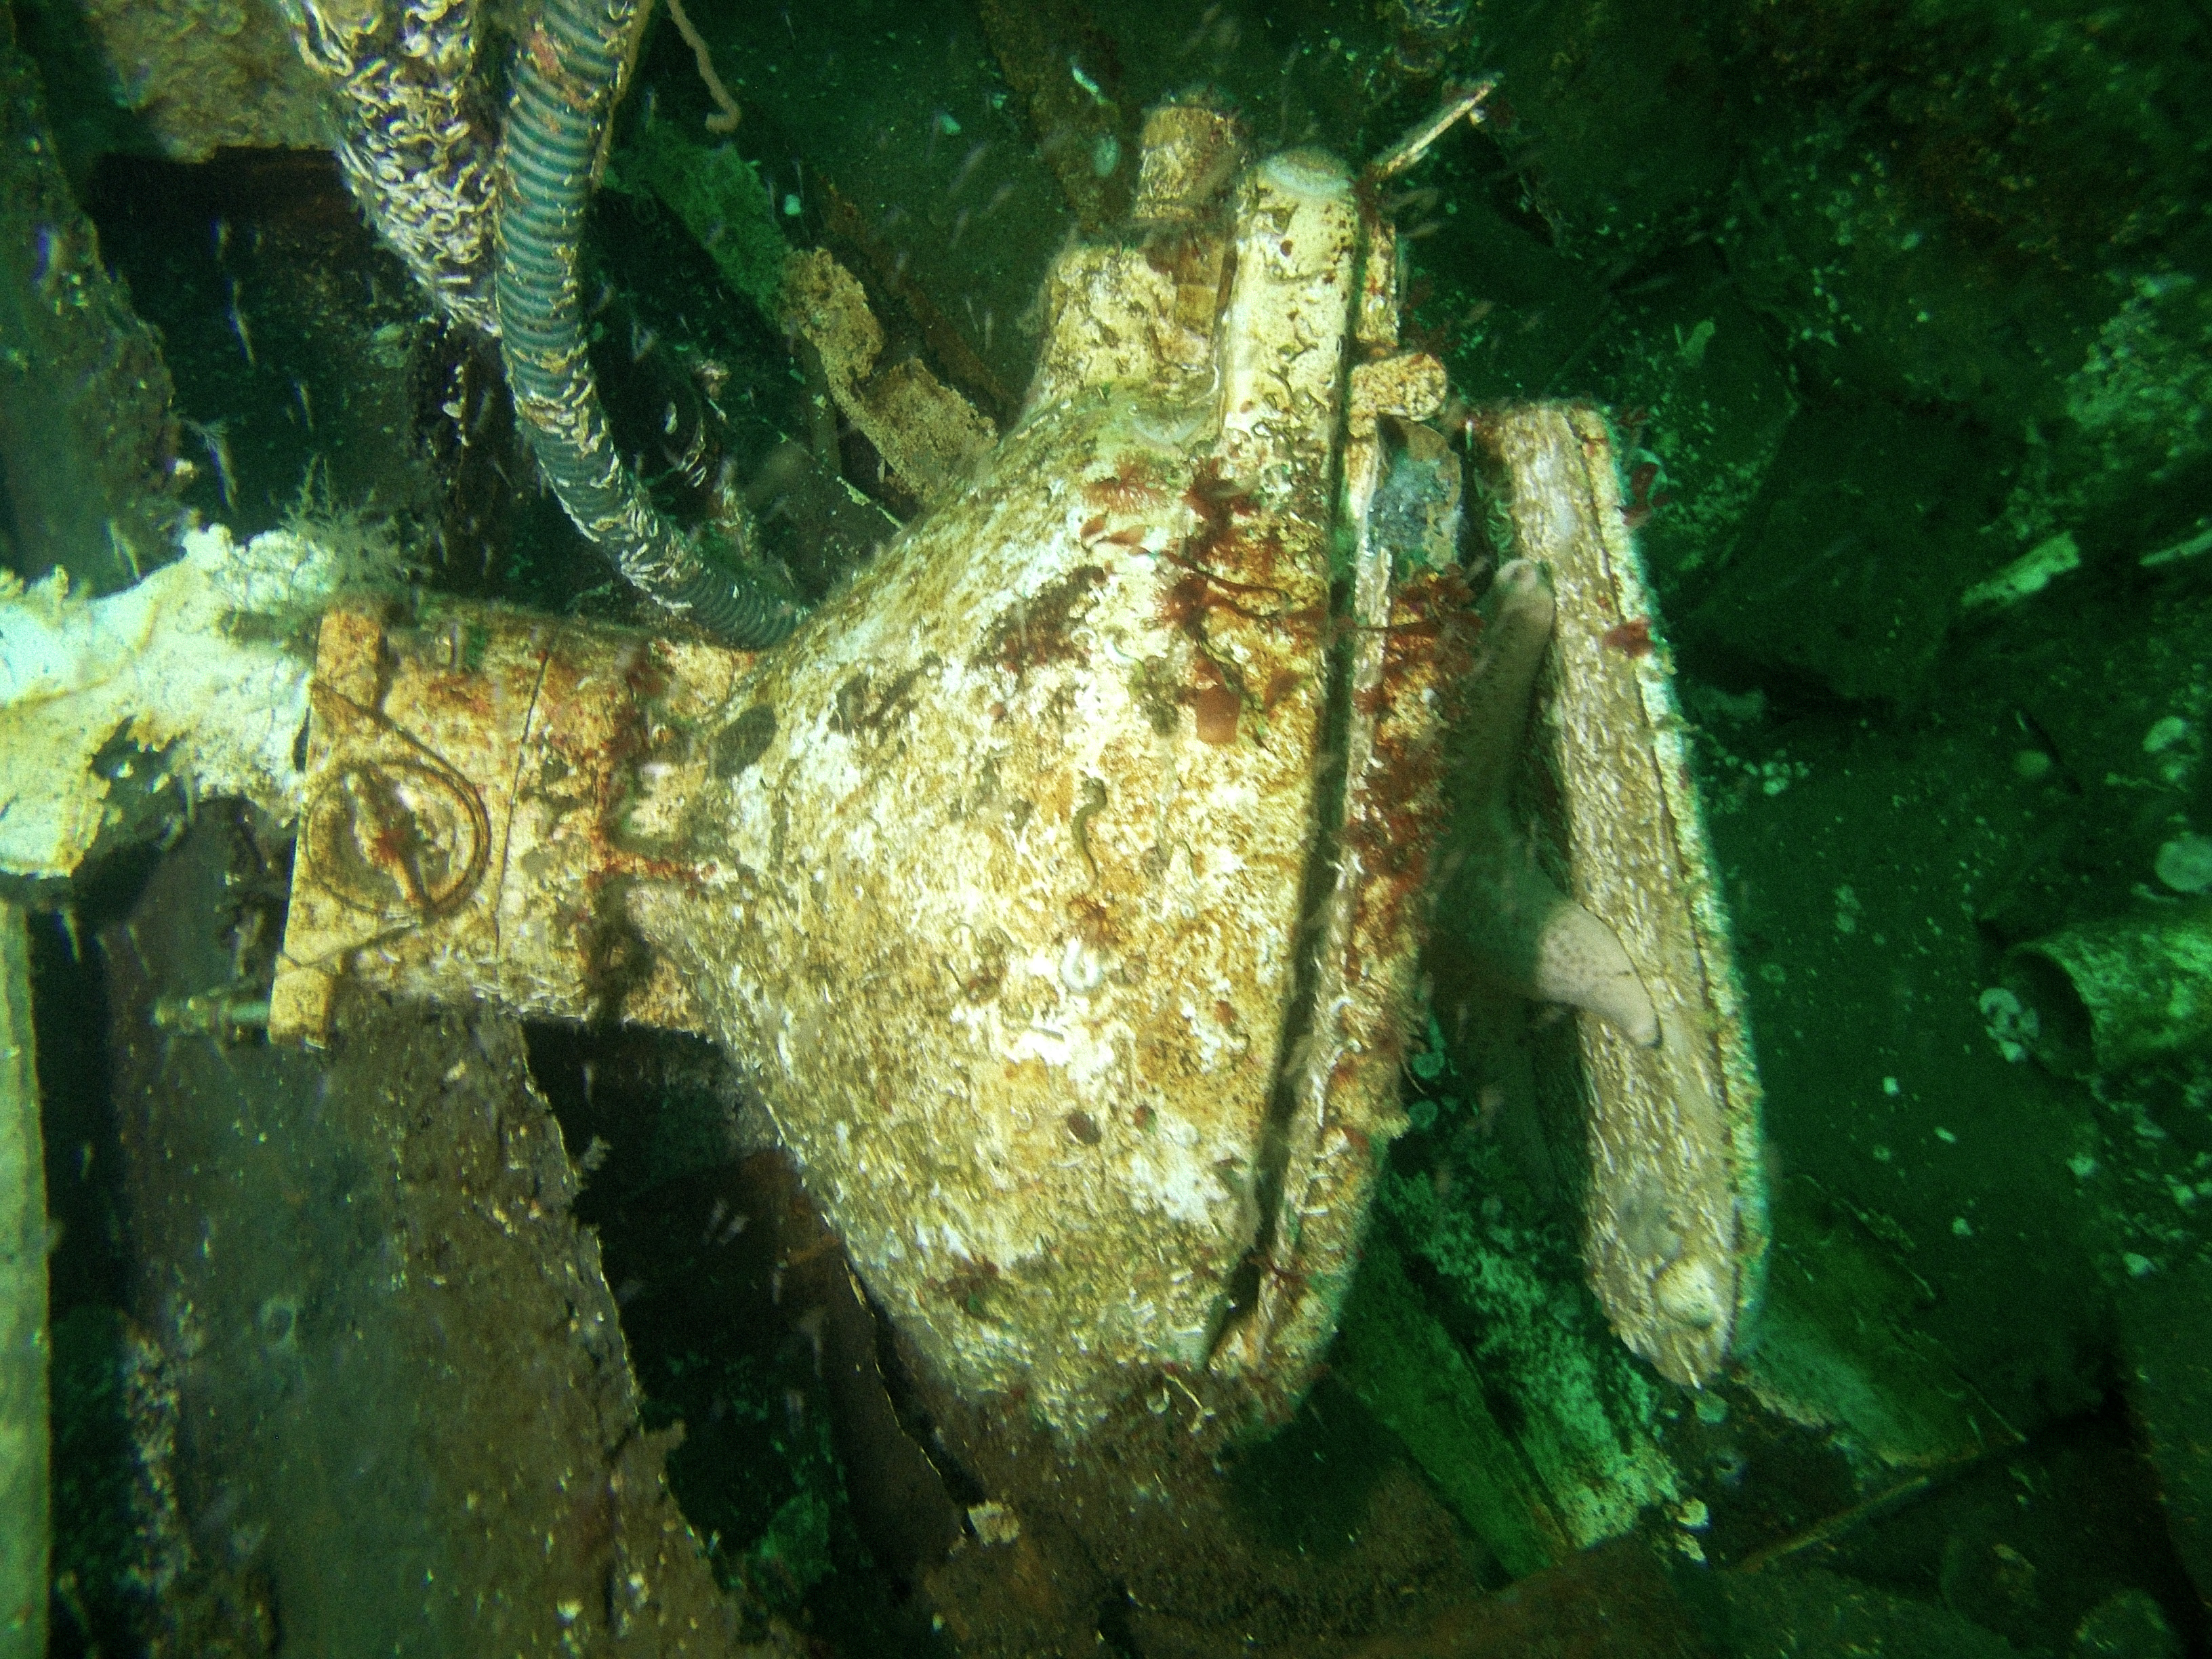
(565,81)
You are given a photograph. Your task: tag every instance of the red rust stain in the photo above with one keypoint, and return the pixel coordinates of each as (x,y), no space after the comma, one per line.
(1203,590)
(1307,624)
(469,694)
(1430,641)
(1389,1046)
(1219,502)
(645,673)
(623,735)
(1032,633)
(1632,637)
(1183,607)
(1093,922)
(1219,545)
(1133,484)
(1439,633)
(1261,553)
(1636,512)
(1217,708)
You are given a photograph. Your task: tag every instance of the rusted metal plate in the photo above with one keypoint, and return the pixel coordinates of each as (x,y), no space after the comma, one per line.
(477,803)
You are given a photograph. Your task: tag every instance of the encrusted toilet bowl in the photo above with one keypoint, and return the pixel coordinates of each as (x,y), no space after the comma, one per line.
(1062,882)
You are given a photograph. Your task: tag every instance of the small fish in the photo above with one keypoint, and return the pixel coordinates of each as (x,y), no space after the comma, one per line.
(121,544)
(1089,85)
(1419,200)
(967,167)
(52,245)
(1193,40)
(215,440)
(238,326)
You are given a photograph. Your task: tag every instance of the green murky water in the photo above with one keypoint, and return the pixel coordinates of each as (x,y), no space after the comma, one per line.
(466,1333)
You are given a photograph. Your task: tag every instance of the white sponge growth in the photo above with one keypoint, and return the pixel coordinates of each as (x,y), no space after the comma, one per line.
(166,662)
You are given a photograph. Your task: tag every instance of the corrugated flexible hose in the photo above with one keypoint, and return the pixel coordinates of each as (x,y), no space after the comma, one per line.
(565,81)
